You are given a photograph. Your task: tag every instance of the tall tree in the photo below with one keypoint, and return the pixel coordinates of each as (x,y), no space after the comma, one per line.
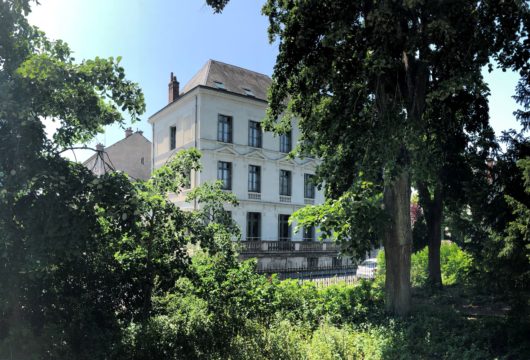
(456,137)
(361,77)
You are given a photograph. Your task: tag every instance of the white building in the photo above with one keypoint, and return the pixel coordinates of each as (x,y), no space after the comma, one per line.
(132,155)
(219,112)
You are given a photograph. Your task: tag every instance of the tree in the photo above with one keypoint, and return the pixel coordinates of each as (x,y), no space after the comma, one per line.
(81,256)
(457,138)
(55,259)
(362,76)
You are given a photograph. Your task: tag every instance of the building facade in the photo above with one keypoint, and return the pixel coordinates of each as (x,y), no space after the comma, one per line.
(132,155)
(219,112)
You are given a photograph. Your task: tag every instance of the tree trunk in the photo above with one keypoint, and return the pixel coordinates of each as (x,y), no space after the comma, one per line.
(435,241)
(397,241)
(433,209)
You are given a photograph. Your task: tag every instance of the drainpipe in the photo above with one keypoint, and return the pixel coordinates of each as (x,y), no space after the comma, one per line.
(196,141)
(152,148)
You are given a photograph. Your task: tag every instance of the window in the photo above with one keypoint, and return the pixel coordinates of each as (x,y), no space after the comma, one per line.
(254,178)
(309,233)
(284,229)
(285,182)
(253,226)
(285,142)
(254,134)
(248,92)
(309,186)
(224,128)
(219,85)
(142,161)
(186,180)
(336,261)
(172,137)
(224,173)
(312,262)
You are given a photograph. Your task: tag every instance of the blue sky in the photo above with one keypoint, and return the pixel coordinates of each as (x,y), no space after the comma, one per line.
(156,37)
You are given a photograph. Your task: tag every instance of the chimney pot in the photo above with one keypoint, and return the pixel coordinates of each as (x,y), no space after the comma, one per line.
(100,147)
(128,132)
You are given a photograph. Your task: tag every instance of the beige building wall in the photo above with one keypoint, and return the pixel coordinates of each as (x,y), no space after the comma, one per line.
(131,155)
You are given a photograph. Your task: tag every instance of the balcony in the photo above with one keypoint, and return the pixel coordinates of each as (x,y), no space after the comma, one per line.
(254,196)
(309,201)
(270,246)
(285,199)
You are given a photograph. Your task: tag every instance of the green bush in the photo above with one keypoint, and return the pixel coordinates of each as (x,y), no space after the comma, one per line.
(455,266)
(224,310)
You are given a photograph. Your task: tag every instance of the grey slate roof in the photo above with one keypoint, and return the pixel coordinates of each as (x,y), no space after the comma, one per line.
(233,78)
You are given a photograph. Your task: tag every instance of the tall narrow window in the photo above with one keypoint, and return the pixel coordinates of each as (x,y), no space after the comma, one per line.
(224,128)
(224,173)
(172,137)
(254,178)
(309,186)
(286,142)
(336,261)
(284,229)
(254,134)
(309,233)
(312,262)
(285,182)
(253,226)
(186,180)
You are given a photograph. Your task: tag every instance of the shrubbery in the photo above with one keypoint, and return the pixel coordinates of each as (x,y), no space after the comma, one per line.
(455,264)
(224,310)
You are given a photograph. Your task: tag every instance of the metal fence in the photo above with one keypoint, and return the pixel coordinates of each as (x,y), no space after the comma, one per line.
(322,276)
(310,273)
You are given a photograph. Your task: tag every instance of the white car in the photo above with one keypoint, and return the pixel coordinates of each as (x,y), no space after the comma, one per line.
(367,269)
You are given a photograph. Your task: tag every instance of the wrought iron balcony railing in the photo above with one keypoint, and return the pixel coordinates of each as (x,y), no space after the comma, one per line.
(265,246)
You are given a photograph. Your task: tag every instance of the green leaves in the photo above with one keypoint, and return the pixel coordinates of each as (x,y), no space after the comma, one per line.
(355,219)
(82,97)
(175,175)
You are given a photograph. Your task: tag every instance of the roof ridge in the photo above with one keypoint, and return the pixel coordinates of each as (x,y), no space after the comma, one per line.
(208,64)
(239,67)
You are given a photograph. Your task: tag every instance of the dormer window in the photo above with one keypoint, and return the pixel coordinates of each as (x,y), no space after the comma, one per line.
(219,85)
(248,92)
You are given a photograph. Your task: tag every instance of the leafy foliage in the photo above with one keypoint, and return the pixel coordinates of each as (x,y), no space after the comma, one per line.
(354,220)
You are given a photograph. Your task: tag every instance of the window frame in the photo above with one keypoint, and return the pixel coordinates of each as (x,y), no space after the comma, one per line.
(309,186)
(252,224)
(254,178)
(221,171)
(255,134)
(308,233)
(225,128)
(336,262)
(172,138)
(286,142)
(283,220)
(312,262)
(285,185)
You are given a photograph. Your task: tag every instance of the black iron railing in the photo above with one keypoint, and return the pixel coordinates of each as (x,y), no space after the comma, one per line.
(264,246)
(305,272)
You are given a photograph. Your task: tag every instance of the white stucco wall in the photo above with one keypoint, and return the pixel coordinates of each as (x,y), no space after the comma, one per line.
(210,104)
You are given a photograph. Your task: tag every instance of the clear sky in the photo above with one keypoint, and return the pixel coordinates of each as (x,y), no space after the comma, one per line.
(156,37)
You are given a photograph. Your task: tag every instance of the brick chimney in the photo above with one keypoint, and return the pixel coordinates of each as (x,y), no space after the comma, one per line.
(173,88)
(128,132)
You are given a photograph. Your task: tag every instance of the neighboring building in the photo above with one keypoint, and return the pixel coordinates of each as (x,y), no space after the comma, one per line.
(131,155)
(219,112)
